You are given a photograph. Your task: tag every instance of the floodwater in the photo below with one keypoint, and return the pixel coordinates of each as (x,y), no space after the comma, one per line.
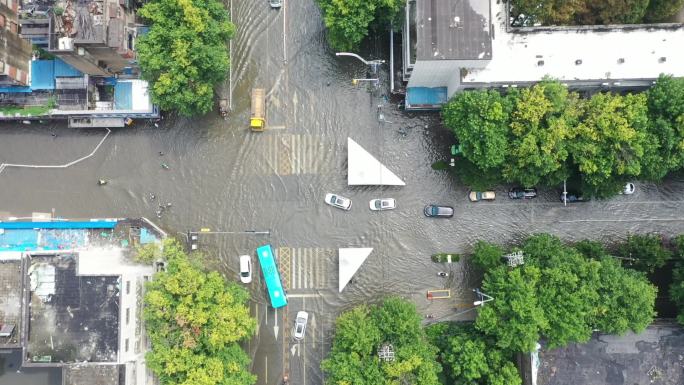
(224,177)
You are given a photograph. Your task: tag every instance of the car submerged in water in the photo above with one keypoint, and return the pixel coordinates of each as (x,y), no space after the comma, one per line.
(382,204)
(476,196)
(522,193)
(338,201)
(435,211)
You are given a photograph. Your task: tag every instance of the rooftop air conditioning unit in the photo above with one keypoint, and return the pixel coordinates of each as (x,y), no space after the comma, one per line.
(65,43)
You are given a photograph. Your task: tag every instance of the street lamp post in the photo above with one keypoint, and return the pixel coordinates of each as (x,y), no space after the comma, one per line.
(484,298)
(372,63)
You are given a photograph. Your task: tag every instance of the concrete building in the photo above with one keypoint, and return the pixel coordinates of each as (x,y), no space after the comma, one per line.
(455,45)
(71,300)
(95,37)
(15,52)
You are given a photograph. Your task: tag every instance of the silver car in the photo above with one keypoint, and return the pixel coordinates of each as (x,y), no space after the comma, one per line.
(300,325)
(338,201)
(275,3)
(383,204)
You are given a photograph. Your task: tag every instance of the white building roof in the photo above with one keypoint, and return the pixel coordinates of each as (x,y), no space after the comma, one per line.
(646,52)
(365,170)
(351,260)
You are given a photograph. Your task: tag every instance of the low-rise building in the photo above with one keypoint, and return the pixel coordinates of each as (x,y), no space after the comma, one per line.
(15,52)
(455,45)
(71,299)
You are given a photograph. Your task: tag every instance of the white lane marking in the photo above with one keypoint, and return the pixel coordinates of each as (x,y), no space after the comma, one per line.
(304,295)
(299,269)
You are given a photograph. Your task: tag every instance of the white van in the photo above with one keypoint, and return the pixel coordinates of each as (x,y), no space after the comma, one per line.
(245,269)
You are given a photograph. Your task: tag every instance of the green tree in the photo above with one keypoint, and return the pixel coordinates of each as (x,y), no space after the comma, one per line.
(666,123)
(480,119)
(644,252)
(609,141)
(195,321)
(561,295)
(614,12)
(542,123)
(147,253)
(660,11)
(471,358)
(677,285)
(184,54)
(487,255)
(353,359)
(626,299)
(348,21)
(548,12)
(514,319)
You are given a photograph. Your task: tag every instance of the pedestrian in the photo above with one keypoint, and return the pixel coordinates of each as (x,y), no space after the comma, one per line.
(152,196)
(54,134)
(161,153)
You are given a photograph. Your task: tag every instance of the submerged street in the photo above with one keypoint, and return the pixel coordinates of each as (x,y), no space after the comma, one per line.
(224,177)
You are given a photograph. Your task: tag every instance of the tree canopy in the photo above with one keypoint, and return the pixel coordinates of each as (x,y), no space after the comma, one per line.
(593,12)
(471,358)
(195,321)
(562,295)
(348,21)
(545,134)
(677,286)
(644,252)
(184,54)
(359,332)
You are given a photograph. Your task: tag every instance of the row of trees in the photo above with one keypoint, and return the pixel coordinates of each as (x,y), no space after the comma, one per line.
(195,321)
(593,12)
(348,21)
(360,332)
(184,54)
(560,294)
(545,134)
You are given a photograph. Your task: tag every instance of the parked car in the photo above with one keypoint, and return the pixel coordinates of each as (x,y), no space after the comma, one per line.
(522,193)
(574,196)
(476,196)
(300,325)
(275,3)
(382,204)
(245,269)
(628,189)
(438,211)
(338,201)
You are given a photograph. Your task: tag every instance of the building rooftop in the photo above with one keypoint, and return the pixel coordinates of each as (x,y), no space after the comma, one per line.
(453,29)
(655,356)
(579,53)
(10,301)
(72,318)
(84,295)
(88,374)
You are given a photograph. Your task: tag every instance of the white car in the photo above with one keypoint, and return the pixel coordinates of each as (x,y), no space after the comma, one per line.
(338,201)
(245,269)
(383,204)
(275,3)
(300,325)
(628,189)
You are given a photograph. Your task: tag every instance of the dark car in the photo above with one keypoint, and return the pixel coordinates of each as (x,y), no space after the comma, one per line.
(522,193)
(438,211)
(574,196)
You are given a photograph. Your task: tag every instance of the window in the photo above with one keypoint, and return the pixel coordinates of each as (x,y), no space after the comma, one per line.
(128,287)
(128,314)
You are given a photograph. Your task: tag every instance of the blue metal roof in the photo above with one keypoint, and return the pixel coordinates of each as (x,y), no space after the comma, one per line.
(123,96)
(44,72)
(59,225)
(425,98)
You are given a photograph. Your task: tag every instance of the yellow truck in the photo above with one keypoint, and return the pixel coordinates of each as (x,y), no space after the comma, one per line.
(257,121)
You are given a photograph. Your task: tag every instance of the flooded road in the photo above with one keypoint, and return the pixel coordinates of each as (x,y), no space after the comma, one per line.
(224,177)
